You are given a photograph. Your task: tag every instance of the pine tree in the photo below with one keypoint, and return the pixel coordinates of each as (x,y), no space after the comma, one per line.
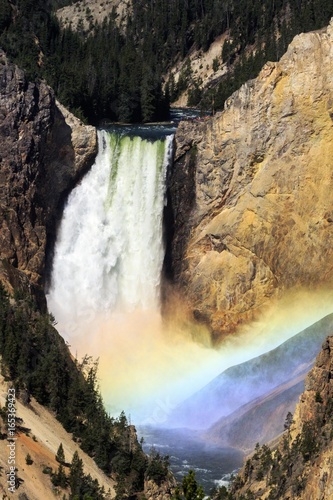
(190,489)
(76,476)
(60,456)
(288,421)
(60,478)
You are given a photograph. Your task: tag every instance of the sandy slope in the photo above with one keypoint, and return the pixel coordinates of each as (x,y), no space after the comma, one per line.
(41,442)
(202,67)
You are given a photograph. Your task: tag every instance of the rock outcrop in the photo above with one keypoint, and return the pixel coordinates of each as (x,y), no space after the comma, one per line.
(302,465)
(44,151)
(85,13)
(315,412)
(253,187)
(163,491)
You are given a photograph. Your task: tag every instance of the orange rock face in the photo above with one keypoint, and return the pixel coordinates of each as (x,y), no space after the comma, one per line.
(255,184)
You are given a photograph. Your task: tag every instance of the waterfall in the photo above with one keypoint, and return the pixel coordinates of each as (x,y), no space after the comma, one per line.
(109,250)
(105,282)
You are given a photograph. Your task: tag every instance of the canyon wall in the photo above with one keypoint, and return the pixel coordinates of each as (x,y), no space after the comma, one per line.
(315,407)
(251,190)
(301,466)
(44,151)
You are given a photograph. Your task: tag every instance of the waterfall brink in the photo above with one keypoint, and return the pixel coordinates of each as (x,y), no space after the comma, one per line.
(109,250)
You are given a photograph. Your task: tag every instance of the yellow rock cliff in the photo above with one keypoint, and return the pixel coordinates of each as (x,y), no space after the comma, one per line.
(260,173)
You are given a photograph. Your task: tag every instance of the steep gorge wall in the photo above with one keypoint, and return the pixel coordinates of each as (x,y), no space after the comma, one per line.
(315,406)
(302,465)
(253,187)
(44,150)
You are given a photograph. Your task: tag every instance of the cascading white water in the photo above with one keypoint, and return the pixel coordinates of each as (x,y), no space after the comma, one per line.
(105,282)
(105,287)
(109,250)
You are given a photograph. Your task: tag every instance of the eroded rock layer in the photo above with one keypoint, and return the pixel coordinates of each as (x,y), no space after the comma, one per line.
(259,179)
(44,150)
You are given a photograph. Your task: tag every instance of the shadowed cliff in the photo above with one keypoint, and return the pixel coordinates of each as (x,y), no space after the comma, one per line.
(44,152)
